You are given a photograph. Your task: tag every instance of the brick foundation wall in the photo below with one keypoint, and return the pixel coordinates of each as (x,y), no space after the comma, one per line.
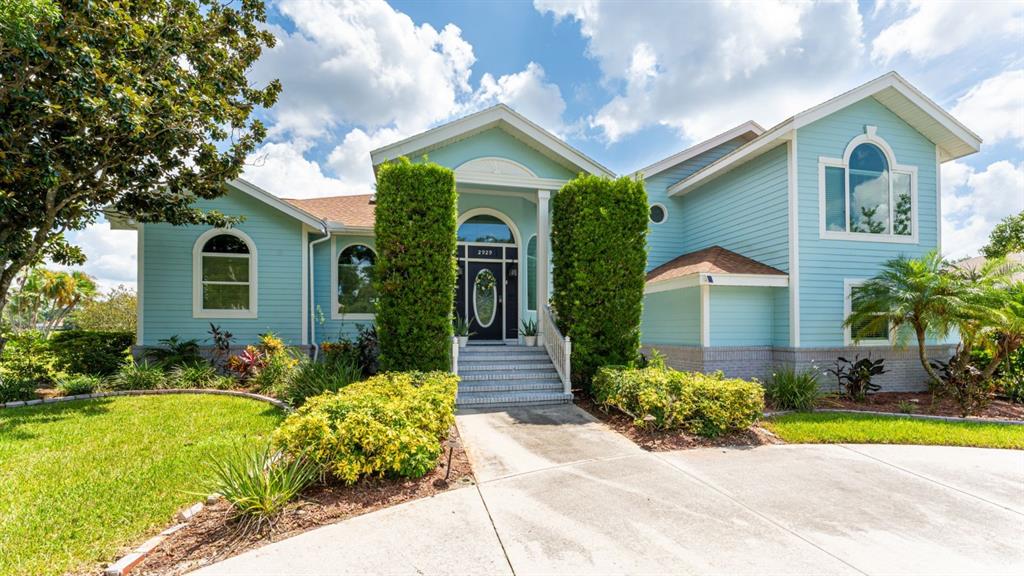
(905,373)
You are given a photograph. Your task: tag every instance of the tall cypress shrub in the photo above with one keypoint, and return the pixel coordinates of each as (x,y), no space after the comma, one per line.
(415,271)
(599,252)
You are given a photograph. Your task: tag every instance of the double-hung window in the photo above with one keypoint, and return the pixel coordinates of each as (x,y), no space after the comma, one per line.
(224,275)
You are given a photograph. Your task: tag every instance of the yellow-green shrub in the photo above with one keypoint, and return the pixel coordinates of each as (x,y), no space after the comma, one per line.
(389,425)
(705,404)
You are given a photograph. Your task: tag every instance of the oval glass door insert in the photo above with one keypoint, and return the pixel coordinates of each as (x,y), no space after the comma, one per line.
(485,297)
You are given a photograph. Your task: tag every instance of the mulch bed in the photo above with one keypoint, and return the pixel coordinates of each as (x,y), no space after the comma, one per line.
(209,537)
(890,402)
(665,440)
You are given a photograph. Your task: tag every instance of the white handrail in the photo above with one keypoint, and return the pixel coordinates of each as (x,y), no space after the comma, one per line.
(559,348)
(455,354)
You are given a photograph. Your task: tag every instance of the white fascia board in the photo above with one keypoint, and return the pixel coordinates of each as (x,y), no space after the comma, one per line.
(782,131)
(339,228)
(499,113)
(531,183)
(749,127)
(752,149)
(275,202)
(712,279)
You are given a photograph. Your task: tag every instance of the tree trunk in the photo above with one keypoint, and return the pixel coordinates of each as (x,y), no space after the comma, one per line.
(5,285)
(922,354)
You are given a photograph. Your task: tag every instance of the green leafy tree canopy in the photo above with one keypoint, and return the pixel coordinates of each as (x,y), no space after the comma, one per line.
(139,107)
(1006,237)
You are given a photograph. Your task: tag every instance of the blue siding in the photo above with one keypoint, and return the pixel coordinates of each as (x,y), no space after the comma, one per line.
(167,275)
(671,317)
(665,241)
(497,142)
(742,316)
(744,210)
(825,263)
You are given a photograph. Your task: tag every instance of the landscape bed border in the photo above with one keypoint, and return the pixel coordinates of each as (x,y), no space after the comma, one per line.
(971,419)
(95,395)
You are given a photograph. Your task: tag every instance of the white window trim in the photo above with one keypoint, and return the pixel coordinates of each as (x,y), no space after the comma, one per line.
(197,276)
(663,209)
(336,251)
(870,136)
(848,285)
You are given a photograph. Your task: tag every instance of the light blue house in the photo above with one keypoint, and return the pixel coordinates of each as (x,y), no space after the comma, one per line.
(757,239)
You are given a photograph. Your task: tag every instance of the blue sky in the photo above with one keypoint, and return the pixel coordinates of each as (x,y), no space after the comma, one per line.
(626,82)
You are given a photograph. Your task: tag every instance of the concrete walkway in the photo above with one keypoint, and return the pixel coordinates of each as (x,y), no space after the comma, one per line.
(561,493)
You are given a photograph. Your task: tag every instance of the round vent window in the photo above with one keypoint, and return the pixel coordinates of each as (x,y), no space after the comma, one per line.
(658,213)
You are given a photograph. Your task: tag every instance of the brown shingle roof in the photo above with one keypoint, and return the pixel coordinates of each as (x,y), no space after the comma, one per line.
(348,210)
(714,260)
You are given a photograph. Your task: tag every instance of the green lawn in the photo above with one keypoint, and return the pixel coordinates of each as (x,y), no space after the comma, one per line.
(81,480)
(829,428)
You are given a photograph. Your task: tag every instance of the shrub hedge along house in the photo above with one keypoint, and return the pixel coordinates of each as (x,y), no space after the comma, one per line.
(756,241)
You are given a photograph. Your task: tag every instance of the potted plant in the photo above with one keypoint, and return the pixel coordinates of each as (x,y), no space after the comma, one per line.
(529,332)
(462,331)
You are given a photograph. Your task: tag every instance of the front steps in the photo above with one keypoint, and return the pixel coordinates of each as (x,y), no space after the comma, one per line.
(501,376)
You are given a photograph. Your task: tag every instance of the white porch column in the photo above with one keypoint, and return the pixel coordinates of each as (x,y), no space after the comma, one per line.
(542,261)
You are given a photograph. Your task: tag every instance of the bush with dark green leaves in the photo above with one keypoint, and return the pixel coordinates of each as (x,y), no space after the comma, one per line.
(88,352)
(599,252)
(666,399)
(312,377)
(27,363)
(415,270)
(137,376)
(198,375)
(389,425)
(792,389)
(79,384)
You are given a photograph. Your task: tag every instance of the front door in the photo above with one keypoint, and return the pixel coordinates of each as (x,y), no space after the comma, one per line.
(486,295)
(487,290)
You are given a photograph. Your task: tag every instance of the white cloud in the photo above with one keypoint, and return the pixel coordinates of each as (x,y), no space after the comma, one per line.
(701,68)
(282,169)
(995,108)
(974,202)
(528,93)
(111,255)
(932,29)
(363,64)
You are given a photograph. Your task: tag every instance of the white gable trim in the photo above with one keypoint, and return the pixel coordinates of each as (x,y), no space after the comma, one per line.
(275,202)
(499,114)
(968,141)
(749,127)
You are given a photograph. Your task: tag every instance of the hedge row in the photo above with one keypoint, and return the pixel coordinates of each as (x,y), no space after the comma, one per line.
(415,236)
(599,252)
(705,404)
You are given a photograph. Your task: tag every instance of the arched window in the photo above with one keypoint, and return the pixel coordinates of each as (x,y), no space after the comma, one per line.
(224,275)
(486,228)
(866,196)
(356,293)
(531,274)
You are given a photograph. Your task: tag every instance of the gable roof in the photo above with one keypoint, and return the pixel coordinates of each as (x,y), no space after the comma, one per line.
(747,131)
(348,211)
(498,115)
(713,260)
(954,140)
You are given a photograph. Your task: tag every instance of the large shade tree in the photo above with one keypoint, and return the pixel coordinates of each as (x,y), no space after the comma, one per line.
(139,107)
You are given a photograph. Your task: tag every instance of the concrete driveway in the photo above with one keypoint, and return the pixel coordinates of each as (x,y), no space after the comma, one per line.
(560,493)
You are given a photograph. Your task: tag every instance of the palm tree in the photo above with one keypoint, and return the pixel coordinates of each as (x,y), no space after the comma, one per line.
(919,293)
(65,291)
(994,313)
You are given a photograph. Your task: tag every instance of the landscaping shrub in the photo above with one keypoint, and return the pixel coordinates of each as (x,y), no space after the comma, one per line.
(199,375)
(258,483)
(389,425)
(314,378)
(415,283)
(27,364)
(964,383)
(174,351)
(87,352)
(854,376)
(79,384)
(599,251)
(137,376)
(14,389)
(704,404)
(789,389)
(1012,387)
